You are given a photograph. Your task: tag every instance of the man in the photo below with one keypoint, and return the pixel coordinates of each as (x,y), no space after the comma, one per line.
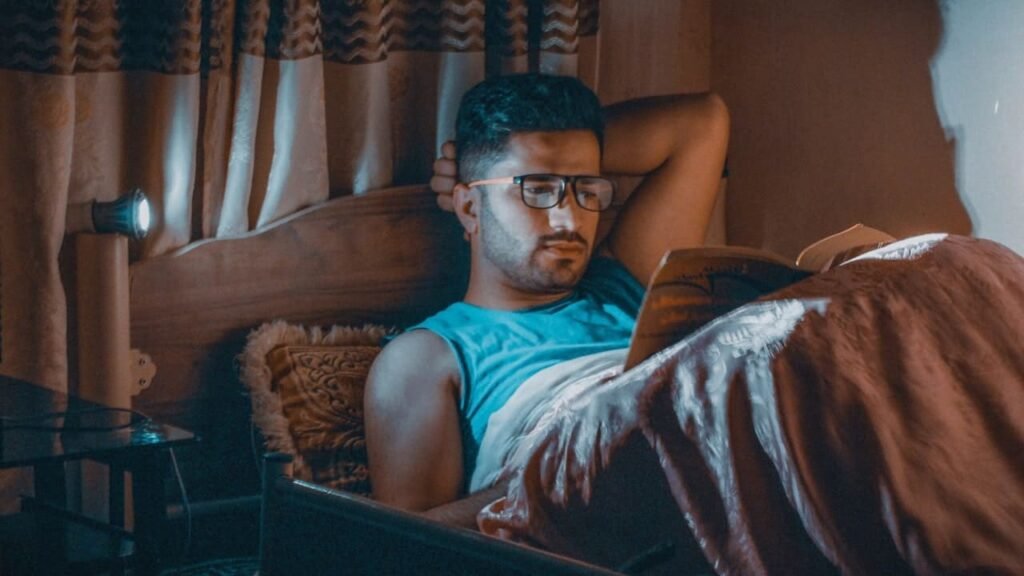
(542,289)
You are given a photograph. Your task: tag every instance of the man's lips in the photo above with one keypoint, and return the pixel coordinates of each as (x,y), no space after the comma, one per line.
(565,246)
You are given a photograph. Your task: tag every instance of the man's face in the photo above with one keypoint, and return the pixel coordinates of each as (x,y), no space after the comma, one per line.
(540,250)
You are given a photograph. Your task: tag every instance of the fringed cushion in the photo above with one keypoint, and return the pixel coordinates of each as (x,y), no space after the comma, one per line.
(306,387)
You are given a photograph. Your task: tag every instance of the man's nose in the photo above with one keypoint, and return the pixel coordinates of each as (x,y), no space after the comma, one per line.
(566,214)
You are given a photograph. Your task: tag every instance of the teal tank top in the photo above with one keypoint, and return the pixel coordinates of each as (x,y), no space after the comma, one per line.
(497,350)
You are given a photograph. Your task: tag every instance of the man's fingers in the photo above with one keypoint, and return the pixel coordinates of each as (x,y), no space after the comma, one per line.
(442,184)
(448,150)
(445,176)
(445,202)
(445,167)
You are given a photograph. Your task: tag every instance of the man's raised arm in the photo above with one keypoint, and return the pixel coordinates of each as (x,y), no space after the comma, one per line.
(678,143)
(412,426)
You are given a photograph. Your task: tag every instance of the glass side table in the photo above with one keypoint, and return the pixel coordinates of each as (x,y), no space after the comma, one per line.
(44,430)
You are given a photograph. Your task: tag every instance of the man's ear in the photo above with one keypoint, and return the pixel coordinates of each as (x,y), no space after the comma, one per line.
(466,204)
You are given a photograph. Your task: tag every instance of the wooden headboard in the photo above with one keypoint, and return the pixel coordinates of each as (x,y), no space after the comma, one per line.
(390,257)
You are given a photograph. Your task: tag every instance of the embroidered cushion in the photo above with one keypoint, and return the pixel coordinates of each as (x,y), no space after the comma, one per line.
(306,387)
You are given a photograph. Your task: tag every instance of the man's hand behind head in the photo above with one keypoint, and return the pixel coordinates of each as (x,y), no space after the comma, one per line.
(445,176)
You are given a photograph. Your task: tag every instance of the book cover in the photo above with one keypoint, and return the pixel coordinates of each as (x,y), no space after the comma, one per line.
(693,286)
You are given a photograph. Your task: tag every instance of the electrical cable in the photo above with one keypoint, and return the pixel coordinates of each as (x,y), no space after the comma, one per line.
(256,440)
(255,452)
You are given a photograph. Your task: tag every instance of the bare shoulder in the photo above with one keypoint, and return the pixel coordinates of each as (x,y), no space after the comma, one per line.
(413,361)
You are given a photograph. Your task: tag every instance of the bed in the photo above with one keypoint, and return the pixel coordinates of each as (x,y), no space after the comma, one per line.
(388,257)
(796,460)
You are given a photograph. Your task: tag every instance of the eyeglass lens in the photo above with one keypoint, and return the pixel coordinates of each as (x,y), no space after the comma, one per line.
(546,191)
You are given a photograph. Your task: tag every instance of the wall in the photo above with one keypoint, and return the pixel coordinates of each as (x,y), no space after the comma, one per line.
(654,47)
(835,118)
(978,76)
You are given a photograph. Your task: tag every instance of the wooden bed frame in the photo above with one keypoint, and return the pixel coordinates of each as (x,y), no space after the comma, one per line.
(355,536)
(388,257)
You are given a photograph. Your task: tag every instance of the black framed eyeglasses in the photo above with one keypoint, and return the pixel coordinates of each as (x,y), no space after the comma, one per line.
(543,191)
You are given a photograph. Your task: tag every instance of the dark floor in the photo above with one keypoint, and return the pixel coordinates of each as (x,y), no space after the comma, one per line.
(220,544)
(243,566)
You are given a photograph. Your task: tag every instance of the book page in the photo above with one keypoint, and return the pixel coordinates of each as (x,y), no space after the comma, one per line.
(693,286)
(834,249)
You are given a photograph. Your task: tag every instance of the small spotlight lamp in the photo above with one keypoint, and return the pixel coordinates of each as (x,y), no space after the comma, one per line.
(108,370)
(130,215)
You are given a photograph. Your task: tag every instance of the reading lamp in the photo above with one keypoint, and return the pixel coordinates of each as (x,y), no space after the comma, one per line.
(109,371)
(101,231)
(128,215)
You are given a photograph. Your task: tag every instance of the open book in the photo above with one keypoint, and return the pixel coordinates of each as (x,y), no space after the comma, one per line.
(693,286)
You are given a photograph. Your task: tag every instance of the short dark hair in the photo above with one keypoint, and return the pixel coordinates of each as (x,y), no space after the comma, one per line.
(493,110)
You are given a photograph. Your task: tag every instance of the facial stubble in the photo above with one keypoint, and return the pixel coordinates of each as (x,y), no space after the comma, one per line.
(524,265)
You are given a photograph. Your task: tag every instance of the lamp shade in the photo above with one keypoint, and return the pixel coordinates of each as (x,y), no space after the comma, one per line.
(129,215)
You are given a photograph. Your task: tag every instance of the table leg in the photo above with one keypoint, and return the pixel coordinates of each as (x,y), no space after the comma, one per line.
(150,509)
(116,498)
(49,485)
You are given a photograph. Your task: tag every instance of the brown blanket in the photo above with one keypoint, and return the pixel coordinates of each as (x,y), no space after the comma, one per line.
(869,420)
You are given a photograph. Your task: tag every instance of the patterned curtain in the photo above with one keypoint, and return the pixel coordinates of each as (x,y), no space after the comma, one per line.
(231,114)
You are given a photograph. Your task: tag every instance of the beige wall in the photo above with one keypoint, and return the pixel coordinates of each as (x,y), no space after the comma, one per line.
(834,119)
